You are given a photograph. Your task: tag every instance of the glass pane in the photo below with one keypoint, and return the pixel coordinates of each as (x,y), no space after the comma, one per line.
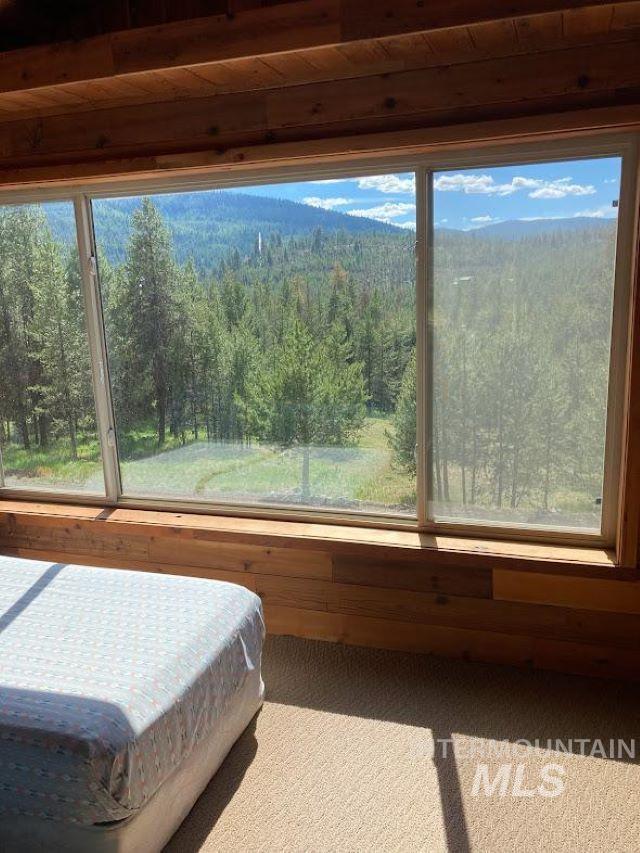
(48,433)
(522,304)
(261,343)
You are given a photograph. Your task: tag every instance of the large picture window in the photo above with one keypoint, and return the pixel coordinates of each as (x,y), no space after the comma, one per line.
(440,344)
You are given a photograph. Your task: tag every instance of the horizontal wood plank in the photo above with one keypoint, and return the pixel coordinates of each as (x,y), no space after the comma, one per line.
(395,574)
(559,591)
(384,633)
(582,659)
(239,558)
(542,621)
(122,562)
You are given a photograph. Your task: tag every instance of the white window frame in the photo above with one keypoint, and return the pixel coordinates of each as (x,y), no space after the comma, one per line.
(423,166)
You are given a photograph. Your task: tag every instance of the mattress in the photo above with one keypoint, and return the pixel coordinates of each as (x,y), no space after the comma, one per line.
(110,681)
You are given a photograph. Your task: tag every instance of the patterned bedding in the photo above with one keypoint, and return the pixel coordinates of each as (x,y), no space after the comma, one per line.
(109,680)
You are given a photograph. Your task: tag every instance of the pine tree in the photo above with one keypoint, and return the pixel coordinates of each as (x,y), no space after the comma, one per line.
(145,320)
(306,396)
(403,437)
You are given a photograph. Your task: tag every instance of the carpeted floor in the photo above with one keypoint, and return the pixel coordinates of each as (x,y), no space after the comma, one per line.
(341,759)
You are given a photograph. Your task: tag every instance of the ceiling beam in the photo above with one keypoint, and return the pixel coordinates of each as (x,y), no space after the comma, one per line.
(291,26)
(548,81)
(324,151)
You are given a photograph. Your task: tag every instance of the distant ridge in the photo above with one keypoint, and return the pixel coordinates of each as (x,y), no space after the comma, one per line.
(219,221)
(514,228)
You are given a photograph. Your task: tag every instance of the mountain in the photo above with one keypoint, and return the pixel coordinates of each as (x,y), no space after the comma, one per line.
(515,228)
(207,225)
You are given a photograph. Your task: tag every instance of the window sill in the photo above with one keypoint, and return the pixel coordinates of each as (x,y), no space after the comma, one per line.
(370,543)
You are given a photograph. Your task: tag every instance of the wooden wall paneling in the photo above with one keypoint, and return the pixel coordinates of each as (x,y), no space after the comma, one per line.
(418,576)
(583,659)
(123,562)
(401,636)
(495,37)
(396,549)
(409,16)
(625,16)
(353,59)
(572,71)
(454,611)
(247,558)
(584,22)
(565,591)
(538,31)
(285,26)
(315,586)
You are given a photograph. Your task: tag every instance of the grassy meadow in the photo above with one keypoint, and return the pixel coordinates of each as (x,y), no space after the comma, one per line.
(361,477)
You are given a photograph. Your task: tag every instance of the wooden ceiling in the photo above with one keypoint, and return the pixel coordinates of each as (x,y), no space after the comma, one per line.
(307,69)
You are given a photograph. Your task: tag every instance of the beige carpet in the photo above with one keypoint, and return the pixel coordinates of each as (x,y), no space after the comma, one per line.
(340,759)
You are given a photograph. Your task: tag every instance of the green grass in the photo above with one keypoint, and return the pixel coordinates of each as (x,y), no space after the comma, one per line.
(53,466)
(360,477)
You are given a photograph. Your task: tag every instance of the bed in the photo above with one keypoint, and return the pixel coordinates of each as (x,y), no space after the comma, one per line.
(121,693)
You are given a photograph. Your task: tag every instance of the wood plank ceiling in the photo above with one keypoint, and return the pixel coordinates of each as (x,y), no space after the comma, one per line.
(310,69)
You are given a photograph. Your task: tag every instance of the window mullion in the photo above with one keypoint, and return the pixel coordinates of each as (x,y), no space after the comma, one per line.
(423,342)
(97,347)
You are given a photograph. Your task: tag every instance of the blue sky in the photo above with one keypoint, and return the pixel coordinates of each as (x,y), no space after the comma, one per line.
(469,198)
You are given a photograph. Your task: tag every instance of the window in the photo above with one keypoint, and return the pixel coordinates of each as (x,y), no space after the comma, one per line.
(523,289)
(261,342)
(439,344)
(48,436)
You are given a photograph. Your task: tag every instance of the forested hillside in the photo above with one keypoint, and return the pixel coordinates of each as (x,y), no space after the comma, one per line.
(285,371)
(205,225)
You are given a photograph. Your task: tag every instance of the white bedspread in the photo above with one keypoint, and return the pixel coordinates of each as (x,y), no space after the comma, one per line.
(109,680)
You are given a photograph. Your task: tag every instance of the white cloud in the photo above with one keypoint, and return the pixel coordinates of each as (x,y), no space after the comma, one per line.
(386,212)
(610,181)
(326,203)
(410,224)
(464,183)
(560,188)
(538,218)
(482,219)
(388,184)
(485,184)
(605,211)
(331,181)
